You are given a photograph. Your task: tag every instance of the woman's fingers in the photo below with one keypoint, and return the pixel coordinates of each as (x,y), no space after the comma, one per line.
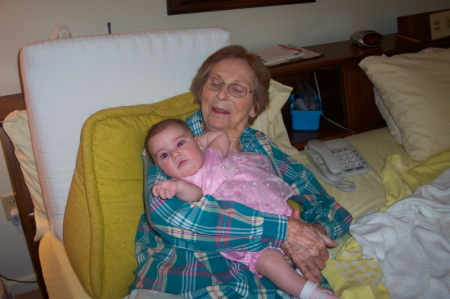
(324,255)
(314,273)
(308,268)
(306,246)
(323,233)
(320,263)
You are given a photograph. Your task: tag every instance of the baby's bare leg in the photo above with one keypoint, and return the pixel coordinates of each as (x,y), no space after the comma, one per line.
(272,264)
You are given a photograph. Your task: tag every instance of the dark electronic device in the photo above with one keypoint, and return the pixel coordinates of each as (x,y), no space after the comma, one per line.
(367,38)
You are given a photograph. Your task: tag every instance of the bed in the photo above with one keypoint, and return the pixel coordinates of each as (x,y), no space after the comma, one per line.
(86,207)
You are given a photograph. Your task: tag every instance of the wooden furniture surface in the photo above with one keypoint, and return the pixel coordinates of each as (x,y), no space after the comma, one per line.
(346,92)
(347,98)
(23,199)
(175,7)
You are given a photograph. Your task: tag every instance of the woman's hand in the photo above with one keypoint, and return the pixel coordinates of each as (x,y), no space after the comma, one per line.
(306,247)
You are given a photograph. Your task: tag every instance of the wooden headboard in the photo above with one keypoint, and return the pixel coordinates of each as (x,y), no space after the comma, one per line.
(22,195)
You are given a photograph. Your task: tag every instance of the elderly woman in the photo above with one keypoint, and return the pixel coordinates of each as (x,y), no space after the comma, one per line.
(178,245)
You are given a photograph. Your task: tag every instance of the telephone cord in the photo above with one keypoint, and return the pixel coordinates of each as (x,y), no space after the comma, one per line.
(344,186)
(323,114)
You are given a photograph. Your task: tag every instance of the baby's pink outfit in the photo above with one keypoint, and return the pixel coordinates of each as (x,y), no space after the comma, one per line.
(247,178)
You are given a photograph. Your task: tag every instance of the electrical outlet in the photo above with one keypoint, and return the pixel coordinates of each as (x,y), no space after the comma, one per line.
(9,203)
(440,24)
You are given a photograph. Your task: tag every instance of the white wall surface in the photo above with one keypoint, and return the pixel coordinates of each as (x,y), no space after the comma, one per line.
(323,21)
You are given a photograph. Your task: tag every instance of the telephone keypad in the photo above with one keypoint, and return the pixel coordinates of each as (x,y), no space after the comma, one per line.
(350,159)
(336,159)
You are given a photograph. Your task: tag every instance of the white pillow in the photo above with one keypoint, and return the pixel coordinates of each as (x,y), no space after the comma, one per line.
(395,131)
(415,89)
(271,121)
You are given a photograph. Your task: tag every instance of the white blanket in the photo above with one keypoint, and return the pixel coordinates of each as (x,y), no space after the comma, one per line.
(410,240)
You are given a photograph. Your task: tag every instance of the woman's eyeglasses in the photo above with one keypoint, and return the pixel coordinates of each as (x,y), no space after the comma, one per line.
(236,90)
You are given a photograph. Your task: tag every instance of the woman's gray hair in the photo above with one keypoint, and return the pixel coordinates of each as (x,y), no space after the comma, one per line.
(262,76)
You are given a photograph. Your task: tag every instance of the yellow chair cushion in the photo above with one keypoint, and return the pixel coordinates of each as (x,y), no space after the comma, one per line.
(105,199)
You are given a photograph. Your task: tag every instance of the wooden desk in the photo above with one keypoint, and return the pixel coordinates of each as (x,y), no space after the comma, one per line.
(347,93)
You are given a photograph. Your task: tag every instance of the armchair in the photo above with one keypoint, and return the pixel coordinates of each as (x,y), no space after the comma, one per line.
(66,81)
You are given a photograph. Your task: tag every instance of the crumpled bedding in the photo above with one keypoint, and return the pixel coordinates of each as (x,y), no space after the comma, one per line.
(411,241)
(353,273)
(402,176)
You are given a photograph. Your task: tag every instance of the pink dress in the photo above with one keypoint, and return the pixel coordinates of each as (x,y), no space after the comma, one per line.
(247,178)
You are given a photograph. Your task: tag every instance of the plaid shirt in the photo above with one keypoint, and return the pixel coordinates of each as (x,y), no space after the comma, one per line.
(178,244)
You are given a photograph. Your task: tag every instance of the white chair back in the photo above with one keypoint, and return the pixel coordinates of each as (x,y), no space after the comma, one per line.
(67,80)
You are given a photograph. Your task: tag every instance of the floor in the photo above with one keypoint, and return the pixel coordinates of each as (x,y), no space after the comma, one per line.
(34,294)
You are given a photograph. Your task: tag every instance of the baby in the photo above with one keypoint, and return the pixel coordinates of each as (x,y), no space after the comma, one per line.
(204,165)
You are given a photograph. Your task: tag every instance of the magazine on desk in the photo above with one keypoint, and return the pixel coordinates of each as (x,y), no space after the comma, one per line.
(283,53)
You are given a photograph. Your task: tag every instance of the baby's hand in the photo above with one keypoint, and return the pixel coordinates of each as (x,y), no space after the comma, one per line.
(165,189)
(199,141)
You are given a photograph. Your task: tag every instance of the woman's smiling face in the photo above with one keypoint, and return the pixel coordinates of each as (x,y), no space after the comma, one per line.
(221,110)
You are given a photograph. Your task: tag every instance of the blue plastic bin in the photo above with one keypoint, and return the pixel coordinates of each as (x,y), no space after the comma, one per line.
(305,120)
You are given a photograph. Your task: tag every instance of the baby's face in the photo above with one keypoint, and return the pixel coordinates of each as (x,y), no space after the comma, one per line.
(176,152)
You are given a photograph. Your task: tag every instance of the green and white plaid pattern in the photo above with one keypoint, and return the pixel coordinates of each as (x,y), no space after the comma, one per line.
(178,244)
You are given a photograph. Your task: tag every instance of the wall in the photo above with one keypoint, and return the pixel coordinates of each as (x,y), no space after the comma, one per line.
(324,21)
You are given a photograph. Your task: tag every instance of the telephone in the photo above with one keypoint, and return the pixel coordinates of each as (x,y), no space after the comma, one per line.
(336,159)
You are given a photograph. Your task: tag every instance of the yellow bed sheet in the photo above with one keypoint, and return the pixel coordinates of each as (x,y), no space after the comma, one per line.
(351,274)
(402,176)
